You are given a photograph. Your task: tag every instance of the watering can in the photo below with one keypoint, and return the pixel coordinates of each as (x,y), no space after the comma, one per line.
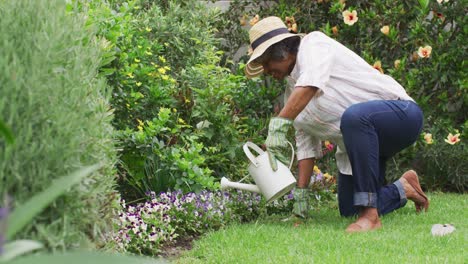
(272,184)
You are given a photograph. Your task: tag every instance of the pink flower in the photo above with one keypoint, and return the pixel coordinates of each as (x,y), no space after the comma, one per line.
(329,145)
(349,17)
(453,139)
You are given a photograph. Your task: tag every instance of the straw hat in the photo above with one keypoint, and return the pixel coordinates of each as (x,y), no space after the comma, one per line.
(265,33)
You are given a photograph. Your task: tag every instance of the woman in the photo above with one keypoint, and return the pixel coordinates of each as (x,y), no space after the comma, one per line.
(338,96)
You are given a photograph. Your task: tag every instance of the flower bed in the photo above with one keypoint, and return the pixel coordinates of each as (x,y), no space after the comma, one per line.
(164,218)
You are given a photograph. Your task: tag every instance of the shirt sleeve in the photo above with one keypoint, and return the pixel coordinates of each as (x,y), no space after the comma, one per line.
(315,60)
(307,146)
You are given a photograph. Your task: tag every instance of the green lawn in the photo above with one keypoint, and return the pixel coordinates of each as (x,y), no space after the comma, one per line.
(404,238)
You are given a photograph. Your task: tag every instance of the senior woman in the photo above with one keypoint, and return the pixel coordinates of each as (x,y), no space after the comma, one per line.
(338,96)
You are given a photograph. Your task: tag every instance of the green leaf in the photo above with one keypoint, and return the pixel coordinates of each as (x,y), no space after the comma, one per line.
(424,3)
(17,248)
(22,215)
(6,132)
(85,257)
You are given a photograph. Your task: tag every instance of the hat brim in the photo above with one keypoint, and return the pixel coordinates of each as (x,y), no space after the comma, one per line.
(253,69)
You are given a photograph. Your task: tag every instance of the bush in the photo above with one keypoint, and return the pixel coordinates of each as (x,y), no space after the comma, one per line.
(181,117)
(59,113)
(388,35)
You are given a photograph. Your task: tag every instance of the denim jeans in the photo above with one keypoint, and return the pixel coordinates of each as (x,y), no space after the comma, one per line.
(373,132)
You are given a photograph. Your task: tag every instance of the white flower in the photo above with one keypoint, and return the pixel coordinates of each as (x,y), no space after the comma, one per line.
(350,17)
(425,52)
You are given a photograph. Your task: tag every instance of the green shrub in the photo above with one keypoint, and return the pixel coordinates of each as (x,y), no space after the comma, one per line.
(181,118)
(438,82)
(59,113)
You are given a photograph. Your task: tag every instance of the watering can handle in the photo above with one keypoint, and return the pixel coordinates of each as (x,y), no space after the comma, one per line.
(260,151)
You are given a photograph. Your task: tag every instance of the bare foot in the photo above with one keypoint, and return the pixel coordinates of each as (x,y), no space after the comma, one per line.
(368,220)
(413,190)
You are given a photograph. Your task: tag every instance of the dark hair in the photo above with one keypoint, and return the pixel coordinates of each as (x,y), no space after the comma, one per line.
(280,50)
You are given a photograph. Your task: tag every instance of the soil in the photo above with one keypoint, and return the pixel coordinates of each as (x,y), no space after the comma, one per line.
(175,249)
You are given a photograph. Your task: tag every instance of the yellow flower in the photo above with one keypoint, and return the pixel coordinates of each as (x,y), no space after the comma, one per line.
(165,77)
(148,53)
(453,139)
(140,122)
(139,46)
(428,138)
(137,60)
(385,30)
(378,66)
(187,100)
(162,71)
(242,20)
(138,84)
(130,75)
(254,20)
(291,24)
(162,59)
(350,17)
(335,30)
(396,63)
(316,169)
(174,110)
(180,120)
(425,52)
(140,128)
(414,57)
(148,29)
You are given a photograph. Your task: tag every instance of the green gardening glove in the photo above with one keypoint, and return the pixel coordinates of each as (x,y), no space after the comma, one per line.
(276,142)
(301,202)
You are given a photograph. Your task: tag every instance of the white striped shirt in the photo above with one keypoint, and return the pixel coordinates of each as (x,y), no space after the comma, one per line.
(343,79)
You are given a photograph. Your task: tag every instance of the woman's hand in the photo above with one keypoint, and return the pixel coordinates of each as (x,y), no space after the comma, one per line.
(276,142)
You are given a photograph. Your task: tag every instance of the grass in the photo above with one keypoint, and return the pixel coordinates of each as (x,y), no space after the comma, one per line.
(404,238)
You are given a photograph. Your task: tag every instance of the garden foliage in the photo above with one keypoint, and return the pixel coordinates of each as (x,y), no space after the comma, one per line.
(181,118)
(58,111)
(422,44)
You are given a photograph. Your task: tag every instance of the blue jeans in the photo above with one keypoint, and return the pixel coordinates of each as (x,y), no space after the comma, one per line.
(373,132)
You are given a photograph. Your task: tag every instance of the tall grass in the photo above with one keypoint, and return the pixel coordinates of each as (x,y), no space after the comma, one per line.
(58,110)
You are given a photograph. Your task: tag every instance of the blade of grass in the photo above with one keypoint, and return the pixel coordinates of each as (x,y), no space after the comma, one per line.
(19,247)
(86,257)
(6,132)
(22,215)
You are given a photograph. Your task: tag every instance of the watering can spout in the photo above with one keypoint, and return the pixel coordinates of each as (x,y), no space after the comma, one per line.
(225,184)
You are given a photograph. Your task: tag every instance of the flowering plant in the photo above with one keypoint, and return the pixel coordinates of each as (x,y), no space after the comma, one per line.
(144,227)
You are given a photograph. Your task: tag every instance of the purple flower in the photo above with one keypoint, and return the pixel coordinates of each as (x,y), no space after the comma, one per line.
(4,211)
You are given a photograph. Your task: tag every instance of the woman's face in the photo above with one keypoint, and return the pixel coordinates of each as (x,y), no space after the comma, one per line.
(279,69)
